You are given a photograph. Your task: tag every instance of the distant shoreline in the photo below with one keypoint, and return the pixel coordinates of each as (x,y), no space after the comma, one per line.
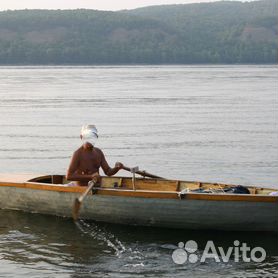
(224,32)
(133,65)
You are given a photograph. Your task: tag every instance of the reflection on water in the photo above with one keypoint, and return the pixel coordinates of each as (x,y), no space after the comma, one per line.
(32,244)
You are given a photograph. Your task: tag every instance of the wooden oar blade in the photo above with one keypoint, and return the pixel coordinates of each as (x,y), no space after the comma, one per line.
(76,209)
(78,201)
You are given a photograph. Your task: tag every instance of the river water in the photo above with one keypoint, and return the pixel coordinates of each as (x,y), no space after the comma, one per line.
(205,123)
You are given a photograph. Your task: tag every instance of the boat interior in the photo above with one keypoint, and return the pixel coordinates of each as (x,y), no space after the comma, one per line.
(155,185)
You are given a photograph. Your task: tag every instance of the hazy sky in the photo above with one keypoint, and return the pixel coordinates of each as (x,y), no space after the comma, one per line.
(88,4)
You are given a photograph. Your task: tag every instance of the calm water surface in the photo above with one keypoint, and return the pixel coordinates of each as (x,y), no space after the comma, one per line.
(202,123)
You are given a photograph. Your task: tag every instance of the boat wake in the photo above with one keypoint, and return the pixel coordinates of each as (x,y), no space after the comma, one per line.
(130,256)
(102,235)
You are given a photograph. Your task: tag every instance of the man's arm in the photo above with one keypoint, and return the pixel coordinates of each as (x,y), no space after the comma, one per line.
(73,175)
(107,169)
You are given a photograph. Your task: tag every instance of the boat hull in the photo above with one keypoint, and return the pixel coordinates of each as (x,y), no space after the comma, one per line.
(135,209)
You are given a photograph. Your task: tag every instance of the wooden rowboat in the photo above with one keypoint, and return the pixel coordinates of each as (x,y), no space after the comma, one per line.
(154,202)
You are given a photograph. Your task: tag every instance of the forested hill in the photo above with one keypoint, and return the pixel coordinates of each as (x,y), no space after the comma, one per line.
(219,32)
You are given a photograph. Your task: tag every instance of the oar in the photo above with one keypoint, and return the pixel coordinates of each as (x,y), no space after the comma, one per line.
(78,201)
(142,173)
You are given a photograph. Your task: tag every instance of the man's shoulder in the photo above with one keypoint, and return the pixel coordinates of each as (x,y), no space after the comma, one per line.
(98,150)
(78,151)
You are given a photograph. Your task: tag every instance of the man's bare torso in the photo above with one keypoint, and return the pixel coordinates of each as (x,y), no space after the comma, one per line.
(86,162)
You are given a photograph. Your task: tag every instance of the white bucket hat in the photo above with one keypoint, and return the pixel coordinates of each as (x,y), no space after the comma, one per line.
(89,134)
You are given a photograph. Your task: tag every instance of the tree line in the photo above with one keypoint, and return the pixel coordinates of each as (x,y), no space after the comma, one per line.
(220,32)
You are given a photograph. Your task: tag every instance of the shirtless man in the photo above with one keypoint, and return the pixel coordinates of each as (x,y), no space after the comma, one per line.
(87,160)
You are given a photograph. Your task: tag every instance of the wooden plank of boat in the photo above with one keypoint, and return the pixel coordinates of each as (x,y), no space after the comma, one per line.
(155,202)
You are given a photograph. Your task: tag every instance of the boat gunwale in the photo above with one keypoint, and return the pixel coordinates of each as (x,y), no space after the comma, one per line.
(126,192)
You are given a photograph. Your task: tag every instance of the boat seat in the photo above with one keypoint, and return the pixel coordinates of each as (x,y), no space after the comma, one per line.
(150,184)
(111,182)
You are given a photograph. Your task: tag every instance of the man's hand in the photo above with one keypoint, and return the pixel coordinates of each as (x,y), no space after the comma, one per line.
(119,165)
(95,177)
